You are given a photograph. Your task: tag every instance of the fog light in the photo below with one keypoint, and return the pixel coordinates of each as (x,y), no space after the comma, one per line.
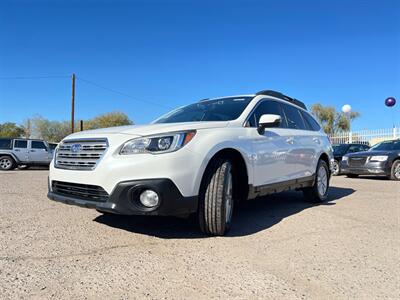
(149,198)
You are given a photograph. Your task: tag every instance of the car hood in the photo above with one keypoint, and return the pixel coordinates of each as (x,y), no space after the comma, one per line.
(368,153)
(143,130)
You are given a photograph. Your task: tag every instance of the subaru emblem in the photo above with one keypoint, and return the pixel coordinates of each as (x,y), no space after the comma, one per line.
(76,148)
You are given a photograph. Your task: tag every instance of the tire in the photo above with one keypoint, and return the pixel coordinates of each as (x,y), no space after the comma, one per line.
(7,163)
(216,199)
(352,175)
(395,172)
(318,193)
(336,168)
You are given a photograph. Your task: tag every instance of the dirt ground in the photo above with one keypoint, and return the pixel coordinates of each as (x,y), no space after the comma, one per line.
(279,247)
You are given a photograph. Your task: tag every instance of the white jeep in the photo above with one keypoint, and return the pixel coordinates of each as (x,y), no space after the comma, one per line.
(202,158)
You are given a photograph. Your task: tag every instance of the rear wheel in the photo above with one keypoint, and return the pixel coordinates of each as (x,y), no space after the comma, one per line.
(395,174)
(216,199)
(6,163)
(335,168)
(319,191)
(352,175)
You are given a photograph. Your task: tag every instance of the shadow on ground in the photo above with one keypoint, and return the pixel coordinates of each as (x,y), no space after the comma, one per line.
(251,217)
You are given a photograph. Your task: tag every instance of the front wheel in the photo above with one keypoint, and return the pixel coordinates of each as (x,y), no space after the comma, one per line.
(6,163)
(319,191)
(395,173)
(216,199)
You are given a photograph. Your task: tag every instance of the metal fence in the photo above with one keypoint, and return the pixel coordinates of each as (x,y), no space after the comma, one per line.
(368,137)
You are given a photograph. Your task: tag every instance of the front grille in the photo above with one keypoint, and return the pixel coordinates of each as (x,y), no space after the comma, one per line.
(81,191)
(357,161)
(83,154)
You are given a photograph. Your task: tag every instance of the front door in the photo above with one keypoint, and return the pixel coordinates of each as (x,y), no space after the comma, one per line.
(272,150)
(21,150)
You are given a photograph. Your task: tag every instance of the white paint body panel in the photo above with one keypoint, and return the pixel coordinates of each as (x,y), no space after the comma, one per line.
(269,158)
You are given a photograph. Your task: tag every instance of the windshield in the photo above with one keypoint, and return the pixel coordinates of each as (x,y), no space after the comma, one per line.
(339,149)
(386,146)
(223,109)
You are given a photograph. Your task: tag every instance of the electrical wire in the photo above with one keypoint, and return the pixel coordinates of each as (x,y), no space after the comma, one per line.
(33,77)
(122,93)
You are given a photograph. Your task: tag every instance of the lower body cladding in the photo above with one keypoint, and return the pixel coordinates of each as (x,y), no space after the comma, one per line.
(369,168)
(137,197)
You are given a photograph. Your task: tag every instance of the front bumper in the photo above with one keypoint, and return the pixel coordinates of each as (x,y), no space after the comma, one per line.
(369,168)
(124,199)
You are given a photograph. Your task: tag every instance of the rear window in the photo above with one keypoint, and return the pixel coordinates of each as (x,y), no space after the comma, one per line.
(5,143)
(38,145)
(310,122)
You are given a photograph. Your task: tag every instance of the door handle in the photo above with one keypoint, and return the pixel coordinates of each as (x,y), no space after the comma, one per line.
(33,150)
(17,150)
(290,140)
(317,140)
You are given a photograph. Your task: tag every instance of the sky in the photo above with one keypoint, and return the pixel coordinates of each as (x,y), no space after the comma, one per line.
(147,57)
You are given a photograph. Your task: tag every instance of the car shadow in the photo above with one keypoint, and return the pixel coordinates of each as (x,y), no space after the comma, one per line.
(249,218)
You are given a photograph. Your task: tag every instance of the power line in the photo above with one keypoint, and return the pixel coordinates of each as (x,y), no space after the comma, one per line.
(122,93)
(33,77)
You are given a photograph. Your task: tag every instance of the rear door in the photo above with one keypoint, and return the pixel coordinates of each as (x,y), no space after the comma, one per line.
(21,150)
(306,142)
(38,152)
(273,148)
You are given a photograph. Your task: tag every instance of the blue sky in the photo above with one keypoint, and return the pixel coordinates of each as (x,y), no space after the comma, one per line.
(176,52)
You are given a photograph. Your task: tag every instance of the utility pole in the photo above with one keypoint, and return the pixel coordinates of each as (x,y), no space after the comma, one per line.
(73,104)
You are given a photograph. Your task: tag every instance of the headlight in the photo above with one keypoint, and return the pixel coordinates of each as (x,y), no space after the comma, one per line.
(158,143)
(345,158)
(378,158)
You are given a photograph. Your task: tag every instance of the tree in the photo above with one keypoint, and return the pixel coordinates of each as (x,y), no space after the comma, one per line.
(9,129)
(111,119)
(52,131)
(331,120)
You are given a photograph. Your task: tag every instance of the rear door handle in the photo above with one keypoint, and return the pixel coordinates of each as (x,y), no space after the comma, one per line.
(290,140)
(33,150)
(17,150)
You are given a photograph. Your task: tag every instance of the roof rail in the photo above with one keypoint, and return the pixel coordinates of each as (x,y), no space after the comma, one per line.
(283,97)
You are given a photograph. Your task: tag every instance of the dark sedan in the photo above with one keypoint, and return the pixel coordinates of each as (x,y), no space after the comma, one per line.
(339,150)
(382,159)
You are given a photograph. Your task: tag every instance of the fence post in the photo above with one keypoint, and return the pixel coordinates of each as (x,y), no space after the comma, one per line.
(350,137)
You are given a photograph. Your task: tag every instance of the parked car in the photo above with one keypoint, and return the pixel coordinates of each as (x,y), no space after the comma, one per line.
(15,152)
(202,158)
(382,159)
(339,150)
(53,146)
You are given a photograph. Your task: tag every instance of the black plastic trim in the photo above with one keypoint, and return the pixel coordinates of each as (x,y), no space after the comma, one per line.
(125,199)
(257,191)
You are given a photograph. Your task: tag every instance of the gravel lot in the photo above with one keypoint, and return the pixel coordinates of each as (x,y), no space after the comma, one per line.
(279,247)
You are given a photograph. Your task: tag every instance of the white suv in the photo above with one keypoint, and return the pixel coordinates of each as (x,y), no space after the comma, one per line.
(202,158)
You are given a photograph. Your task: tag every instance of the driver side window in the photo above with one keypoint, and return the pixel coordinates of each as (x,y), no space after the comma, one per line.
(266,107)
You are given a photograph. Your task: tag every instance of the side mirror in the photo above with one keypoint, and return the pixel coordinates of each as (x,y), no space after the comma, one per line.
(268,121)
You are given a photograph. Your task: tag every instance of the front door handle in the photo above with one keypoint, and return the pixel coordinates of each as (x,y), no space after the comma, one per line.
(290,140)
(17,150)
(317,140)
(33,150)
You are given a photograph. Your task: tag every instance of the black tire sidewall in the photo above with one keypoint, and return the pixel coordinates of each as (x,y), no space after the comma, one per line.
(11,160)
(394,165)
(338,168)
(325,196)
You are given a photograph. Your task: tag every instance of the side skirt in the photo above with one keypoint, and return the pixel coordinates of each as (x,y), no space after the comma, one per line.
(258,191)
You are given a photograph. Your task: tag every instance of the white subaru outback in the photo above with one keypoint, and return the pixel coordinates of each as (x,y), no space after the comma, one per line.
(202,158)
